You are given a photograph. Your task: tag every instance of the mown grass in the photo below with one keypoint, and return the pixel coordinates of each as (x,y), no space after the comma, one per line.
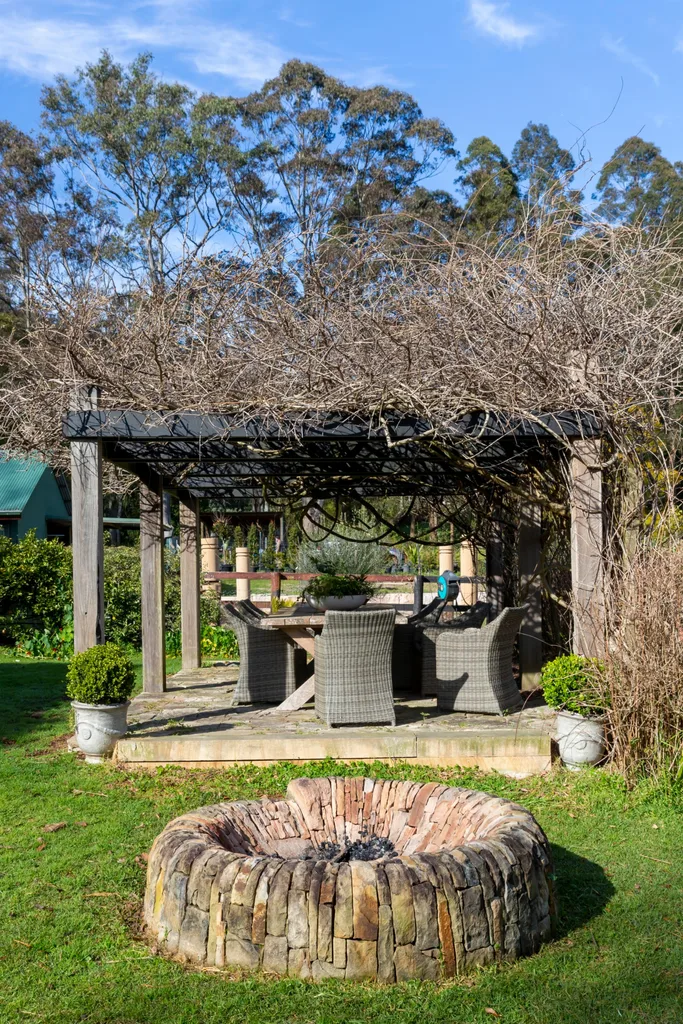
(69,898)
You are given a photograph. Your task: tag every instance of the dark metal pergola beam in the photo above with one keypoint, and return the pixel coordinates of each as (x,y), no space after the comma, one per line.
(105,424)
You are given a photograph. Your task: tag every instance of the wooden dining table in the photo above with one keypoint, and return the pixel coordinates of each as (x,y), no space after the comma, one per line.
(301,624)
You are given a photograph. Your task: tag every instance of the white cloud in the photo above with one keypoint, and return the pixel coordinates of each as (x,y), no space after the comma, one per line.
(617,48)
(41,48)
(237,55)
(366,78)
(491,20)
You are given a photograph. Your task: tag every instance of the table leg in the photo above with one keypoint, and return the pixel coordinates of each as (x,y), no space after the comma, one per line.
(296,700)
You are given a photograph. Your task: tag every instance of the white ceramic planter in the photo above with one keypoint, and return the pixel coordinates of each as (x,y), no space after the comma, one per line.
(98,727)
(581,741)
(348,603)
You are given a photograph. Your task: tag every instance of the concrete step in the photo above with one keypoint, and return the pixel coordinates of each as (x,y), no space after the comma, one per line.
(510,751)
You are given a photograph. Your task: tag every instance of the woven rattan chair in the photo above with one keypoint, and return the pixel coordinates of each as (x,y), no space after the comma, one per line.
(426,637)
(249,608)
(271,668)
(474,666)
(353,668)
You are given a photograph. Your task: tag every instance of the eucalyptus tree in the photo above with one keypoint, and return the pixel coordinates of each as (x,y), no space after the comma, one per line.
(319,158)
(638,185)
(26,182)
(133,140)
(545,173)
(490,188)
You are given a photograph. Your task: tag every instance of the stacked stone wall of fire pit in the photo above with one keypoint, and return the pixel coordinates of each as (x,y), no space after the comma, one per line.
(239,884)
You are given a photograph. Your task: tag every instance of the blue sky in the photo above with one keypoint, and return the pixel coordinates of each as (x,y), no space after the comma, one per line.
(608,69)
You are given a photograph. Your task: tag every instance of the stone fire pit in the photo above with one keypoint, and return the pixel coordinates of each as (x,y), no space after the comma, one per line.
(462,880)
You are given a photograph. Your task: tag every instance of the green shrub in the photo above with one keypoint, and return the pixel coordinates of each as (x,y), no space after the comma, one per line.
(570,683)
(101,675)
(36,608)
(122,596)
(57,644)
(343,585)
(35,587)
(342,556)
(216,642)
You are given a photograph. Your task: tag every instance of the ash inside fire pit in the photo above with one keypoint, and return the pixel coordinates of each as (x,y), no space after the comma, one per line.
(366,847)
(352,878)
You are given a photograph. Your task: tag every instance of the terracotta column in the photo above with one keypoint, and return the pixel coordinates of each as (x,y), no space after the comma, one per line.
(468,567)
(445,557)
(211,562)
(242,565)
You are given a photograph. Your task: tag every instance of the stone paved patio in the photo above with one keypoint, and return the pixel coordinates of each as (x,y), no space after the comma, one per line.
(194,724)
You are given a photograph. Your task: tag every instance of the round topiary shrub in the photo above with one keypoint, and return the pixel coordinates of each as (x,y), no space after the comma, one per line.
(101,675)
(571,683)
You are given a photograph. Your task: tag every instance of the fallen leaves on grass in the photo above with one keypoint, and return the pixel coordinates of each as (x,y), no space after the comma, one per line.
(491,1012)
(55,827)
(87,895)
(41,846)
(82,824)
(22,943)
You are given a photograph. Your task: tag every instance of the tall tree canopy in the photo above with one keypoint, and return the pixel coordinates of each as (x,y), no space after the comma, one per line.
(317,156)
(490,187)
(26,180)
(545,170)
(135,141)
(639,185)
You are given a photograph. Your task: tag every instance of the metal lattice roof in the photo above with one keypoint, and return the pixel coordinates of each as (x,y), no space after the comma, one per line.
(322,455)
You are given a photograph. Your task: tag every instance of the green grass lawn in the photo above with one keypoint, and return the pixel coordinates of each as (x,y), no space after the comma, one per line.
(69,899)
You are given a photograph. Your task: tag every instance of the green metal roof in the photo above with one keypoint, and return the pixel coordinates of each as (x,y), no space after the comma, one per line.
(18,479)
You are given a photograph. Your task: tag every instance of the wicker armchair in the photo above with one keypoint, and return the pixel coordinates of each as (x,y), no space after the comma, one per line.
(353,668)
(271,668)
(249,608)
(427,636)
(474,666)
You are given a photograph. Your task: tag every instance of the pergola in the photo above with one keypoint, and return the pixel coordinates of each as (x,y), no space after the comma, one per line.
(321,455)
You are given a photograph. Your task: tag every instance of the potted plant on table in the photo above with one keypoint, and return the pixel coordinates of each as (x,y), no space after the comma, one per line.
(99,682)
(338,591)
(571,686)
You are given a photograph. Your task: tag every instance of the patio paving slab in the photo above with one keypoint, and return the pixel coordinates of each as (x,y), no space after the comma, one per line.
(193,724)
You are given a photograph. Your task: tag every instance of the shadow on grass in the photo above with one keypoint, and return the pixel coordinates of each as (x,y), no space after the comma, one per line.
(28,690)
(582,890)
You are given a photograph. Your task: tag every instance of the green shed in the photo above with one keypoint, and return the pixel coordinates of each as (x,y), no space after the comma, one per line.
(33,498)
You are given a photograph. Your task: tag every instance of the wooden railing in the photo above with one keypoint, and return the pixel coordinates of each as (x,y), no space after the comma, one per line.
(276,579)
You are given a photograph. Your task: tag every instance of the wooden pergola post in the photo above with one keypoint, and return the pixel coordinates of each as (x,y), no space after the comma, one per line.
(152,575)
(86,536)
(495,584)
(587,541)
(190,577)
(530,587)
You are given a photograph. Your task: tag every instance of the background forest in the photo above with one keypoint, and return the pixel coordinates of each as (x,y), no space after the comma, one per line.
(147,174)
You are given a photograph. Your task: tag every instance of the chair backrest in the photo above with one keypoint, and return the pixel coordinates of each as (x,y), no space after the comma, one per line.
(359,626)
(429,615)
(249,608)
(505,627)
(472,618)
